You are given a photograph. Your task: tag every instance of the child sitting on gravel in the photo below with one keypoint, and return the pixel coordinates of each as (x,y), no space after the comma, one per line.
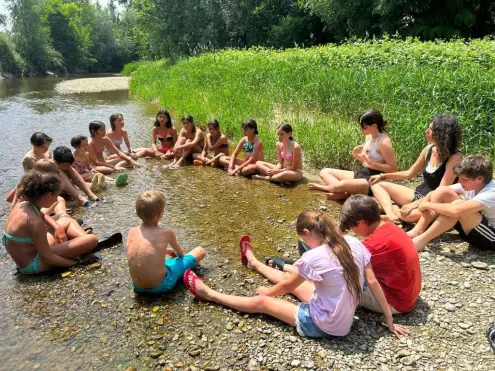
(328,279)
(147,247)
(393,255)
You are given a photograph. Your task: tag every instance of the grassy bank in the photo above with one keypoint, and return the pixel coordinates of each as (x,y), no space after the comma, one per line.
(321,91)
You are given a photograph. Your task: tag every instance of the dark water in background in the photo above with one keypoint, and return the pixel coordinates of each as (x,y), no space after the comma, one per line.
(91,319)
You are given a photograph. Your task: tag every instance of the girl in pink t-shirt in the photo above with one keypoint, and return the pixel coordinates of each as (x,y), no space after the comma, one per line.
(328,279)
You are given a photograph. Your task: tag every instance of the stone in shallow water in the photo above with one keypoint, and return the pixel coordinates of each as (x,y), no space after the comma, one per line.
(479,265)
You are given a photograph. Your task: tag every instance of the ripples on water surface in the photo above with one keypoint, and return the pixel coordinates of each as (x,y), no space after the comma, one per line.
(91,319)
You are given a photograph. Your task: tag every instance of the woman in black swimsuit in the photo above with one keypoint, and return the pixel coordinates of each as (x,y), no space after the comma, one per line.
(436,161)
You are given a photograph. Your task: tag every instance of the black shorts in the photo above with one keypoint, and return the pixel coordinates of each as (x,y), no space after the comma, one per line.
(420,192)
(482,236)
(366,173)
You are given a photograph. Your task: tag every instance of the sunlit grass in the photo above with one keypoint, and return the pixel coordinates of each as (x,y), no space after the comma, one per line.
(321,91)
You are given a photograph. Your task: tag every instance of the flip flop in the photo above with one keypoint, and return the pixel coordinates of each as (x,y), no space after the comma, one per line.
(80,221)
(190,282)
(88,230)
(121,179)
(278,263)
(490,335)
(244,244)
(105,242)
(198,163)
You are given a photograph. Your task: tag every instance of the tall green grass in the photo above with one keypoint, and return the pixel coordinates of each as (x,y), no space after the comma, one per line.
(321,91)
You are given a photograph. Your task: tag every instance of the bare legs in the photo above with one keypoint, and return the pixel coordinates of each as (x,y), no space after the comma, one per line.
(386,192)
(339,184)
(421,235)
(181,155)
(285,176)
(278,308)
(246,171)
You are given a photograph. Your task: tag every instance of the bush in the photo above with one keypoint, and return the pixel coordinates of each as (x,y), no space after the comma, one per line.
(9,59)
(321,92)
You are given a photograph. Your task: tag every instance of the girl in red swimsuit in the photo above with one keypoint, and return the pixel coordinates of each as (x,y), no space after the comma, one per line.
(164,136)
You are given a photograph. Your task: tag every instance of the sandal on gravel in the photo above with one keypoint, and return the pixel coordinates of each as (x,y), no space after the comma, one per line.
(490,334)
(302,247)
(278,263)
(244,244)
(190,282)
(105,242)
(88,230)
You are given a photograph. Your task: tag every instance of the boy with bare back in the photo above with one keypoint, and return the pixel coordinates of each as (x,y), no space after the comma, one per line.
(147,247)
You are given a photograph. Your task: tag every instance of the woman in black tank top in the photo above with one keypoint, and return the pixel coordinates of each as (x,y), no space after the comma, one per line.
(436,162)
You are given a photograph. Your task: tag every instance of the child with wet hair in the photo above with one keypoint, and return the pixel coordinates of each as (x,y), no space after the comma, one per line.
(147,247)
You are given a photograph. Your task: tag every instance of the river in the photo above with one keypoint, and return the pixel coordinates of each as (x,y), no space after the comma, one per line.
(91,319)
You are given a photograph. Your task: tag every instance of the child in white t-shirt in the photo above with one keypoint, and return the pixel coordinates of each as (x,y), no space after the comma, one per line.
(473,215)
(329,282)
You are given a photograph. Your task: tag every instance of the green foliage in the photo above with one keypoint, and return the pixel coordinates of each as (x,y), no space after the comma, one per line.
(72,35)
(429,19)
(10,61)
(322,90)
(169,28)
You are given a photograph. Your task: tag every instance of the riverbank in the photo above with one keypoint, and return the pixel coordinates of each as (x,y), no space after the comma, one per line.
(93,85)
(321,92)
(91,319)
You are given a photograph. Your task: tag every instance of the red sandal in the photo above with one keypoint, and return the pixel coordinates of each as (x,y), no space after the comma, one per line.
(244,244)
(190,282)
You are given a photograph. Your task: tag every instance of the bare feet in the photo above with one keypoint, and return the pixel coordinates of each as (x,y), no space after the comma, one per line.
(260,177)
(318,187)
(202,289)
(387,218)
(337,196)
(420,245)
(413,233)
(251,259)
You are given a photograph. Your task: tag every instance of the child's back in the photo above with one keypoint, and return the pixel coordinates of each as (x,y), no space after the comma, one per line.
(147,249)
(146,252)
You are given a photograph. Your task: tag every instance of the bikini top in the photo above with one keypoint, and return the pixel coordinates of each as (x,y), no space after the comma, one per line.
(118,142)
(372,152)
(81,167)
(169,137)
(6,236)
(248,147)
(225,145)
(289,155)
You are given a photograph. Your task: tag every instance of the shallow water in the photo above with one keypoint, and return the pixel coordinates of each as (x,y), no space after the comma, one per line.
(91,319)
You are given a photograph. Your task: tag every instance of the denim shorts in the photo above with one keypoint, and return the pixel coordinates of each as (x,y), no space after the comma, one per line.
(175,271)
(305,325)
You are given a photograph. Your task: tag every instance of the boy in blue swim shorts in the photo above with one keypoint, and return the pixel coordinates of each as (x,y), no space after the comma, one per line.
(147,247)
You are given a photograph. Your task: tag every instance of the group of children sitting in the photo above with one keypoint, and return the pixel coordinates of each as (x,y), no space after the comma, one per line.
(335,274)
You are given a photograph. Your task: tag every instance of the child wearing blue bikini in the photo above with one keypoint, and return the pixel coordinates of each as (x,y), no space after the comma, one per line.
(34,240)
(252,147)
(147,247)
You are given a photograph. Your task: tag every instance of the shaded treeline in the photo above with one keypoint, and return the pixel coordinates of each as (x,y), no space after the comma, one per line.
(80,36)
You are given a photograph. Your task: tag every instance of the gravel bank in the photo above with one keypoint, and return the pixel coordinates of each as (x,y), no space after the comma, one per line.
(93,85)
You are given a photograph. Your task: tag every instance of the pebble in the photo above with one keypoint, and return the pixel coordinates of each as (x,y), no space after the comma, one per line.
(295,363)
(450,307)
(229,326)
(465,326)
(408,361)
(479,265)
(156,353)
(293,339)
